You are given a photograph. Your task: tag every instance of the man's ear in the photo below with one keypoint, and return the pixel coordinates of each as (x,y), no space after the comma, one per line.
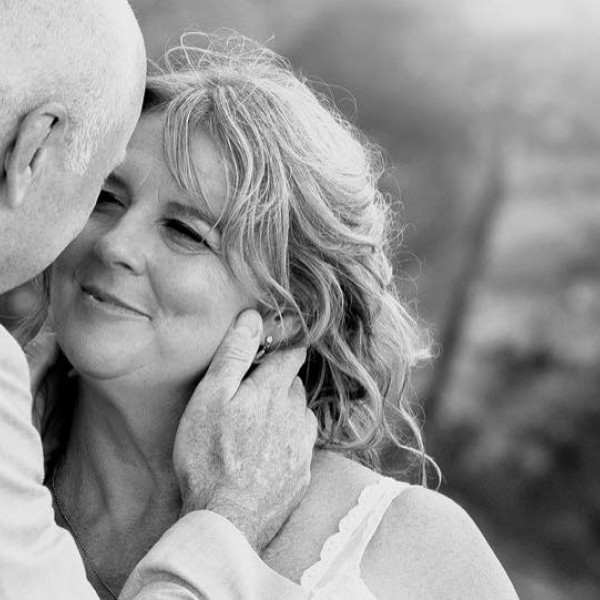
(42,131)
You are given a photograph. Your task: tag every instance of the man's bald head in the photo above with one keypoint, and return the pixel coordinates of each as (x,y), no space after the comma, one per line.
(87,54)
(72,76)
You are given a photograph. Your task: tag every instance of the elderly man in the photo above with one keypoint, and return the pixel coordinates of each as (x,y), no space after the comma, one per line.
(71,85)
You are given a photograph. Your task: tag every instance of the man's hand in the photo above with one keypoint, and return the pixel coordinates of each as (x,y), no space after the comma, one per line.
(244,446)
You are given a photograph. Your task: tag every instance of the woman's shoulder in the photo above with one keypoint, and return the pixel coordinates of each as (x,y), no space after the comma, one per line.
(334,474)
(335,488)
(428,547)
(425,547)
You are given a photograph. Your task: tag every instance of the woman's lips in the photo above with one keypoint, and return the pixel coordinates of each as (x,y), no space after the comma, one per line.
(109,299)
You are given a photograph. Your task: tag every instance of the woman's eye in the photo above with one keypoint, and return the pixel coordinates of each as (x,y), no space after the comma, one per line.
(107,199)
(186,232)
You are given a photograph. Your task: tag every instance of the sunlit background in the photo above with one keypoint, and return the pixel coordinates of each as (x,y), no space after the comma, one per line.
(489,111)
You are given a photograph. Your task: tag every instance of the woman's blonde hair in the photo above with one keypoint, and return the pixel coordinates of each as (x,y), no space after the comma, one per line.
(304,213)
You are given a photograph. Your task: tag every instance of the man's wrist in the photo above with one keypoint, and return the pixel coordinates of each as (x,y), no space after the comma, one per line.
(194,495)
(225,504)
(240,515)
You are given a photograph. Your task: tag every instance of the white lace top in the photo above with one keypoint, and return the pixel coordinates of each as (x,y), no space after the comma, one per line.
(336,576)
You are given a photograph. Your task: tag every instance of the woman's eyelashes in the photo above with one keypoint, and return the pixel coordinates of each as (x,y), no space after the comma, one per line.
(106,199)
(185,233)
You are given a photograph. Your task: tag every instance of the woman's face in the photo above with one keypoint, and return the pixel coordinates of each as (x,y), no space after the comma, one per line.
(143,292)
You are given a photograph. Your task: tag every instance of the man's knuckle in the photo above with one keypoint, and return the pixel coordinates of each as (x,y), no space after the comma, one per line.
(224,366)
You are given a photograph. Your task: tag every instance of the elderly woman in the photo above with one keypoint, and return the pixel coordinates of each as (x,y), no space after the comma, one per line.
(242,188)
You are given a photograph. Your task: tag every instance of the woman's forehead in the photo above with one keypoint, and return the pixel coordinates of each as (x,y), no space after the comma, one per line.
(196,176)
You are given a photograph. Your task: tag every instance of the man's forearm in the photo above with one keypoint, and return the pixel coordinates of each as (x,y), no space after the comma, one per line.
(202,557)
(38,559)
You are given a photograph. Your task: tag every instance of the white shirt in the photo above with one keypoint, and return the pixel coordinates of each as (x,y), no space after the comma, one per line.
(202,557)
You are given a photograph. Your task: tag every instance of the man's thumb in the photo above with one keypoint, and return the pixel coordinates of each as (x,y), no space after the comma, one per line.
(236,352)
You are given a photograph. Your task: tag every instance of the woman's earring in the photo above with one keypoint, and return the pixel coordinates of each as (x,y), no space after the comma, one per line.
(264,348)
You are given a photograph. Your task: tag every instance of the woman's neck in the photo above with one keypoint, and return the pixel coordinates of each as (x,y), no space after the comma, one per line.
(118,459)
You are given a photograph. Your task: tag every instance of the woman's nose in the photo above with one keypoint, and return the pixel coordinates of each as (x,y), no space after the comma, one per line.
(122,247)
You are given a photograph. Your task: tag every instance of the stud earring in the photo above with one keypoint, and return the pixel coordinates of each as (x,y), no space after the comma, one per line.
(264,348)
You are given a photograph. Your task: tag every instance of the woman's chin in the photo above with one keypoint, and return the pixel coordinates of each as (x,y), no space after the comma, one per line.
(99,358)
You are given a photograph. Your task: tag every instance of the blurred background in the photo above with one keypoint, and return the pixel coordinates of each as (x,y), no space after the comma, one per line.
(487,110)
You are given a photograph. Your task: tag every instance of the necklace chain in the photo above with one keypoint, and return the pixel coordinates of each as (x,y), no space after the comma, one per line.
(86,554)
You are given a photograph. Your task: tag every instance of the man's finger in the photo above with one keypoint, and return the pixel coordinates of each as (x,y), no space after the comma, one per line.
(281,364)
(236,351)
(297,395)
(312,425)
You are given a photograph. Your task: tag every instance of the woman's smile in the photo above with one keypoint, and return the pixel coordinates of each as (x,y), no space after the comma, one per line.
(98,298)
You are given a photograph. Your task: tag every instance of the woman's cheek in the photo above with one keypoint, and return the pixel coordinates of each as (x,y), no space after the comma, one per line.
(197,310)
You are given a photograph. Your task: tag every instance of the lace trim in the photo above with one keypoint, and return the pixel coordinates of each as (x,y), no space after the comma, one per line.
(348,524)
